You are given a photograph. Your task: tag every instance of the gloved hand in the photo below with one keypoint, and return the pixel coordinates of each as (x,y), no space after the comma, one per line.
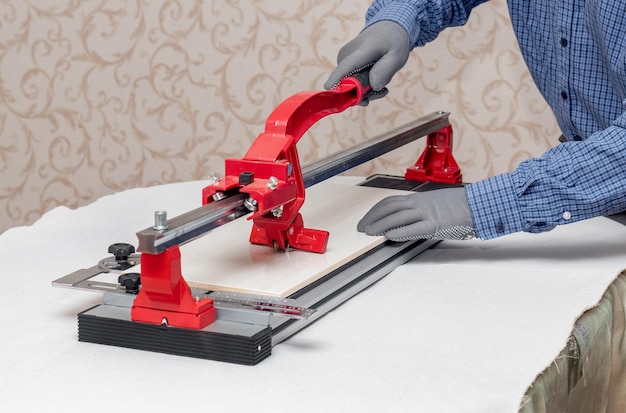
(384,44)
(436,214)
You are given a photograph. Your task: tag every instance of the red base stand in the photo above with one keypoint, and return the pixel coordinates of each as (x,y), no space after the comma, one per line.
(436,163)
(165,296)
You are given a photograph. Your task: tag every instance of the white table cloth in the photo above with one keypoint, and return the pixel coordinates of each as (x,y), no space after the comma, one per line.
(464,327)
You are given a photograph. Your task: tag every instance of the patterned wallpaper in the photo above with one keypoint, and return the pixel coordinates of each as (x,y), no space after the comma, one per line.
(98,96)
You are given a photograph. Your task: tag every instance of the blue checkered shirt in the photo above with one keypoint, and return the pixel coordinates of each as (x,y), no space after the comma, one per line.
(575,51)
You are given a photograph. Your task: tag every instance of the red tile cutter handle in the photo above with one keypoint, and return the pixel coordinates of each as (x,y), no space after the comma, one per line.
(270,172)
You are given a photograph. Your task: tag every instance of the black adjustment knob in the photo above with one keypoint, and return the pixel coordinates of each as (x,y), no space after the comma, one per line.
(130,281)
(246,178)
(121,251)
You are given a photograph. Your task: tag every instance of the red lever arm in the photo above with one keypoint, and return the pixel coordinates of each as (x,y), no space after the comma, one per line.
(270,171)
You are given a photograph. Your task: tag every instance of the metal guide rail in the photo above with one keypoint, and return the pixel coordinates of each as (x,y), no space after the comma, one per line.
(201,220)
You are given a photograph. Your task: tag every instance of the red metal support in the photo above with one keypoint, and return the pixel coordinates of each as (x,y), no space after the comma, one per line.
(165,296)
(436,163)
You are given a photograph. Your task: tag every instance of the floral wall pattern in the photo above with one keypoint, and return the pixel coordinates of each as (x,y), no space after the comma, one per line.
(98,96)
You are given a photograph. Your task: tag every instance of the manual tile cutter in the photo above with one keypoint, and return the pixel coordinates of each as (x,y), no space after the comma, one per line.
(156,310)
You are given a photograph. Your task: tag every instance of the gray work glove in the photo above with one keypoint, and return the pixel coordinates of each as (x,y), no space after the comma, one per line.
(384,45)
(436,214)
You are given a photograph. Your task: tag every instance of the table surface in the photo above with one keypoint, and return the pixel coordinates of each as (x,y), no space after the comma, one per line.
(463,327)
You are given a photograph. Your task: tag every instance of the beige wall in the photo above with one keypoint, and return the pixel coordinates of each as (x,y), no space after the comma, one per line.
(100,96)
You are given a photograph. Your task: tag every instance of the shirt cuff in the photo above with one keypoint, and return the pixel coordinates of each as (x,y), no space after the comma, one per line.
(405,14)
(494,206)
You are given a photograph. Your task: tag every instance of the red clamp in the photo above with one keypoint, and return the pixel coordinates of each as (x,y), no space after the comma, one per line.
(436,163)
(270,171)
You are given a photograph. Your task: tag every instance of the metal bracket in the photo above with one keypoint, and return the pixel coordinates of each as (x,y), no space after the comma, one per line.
(436,163)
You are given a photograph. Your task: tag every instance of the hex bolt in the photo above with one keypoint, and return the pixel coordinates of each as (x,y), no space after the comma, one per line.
(218,196)
(272,183)
(160,220)
(278,211)
(251,204)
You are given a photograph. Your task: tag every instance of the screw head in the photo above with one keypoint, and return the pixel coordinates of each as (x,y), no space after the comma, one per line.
(272,183)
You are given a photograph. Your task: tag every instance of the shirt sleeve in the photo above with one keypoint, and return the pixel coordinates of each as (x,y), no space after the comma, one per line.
(569,183)
(422,19)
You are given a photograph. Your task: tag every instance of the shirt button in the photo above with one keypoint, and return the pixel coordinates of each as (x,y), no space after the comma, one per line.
(564,94)
(500,227)
(563,42)
(567,215)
